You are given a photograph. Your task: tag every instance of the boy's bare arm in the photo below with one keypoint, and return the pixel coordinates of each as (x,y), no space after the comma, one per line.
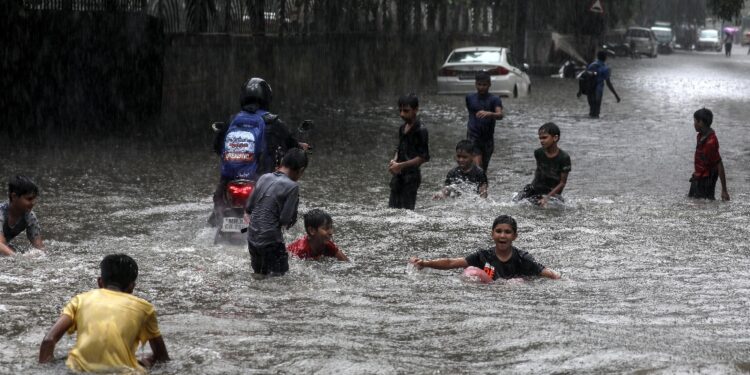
(550,273)
(47,348)
(38,243)
(341,256)
(159,350)
(4,248)
(396,168)
(483,190)
(612,88)
(561,185)
(440,264)
(723,179)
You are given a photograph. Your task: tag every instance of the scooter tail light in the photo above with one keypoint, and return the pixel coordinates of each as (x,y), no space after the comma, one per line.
(238,194)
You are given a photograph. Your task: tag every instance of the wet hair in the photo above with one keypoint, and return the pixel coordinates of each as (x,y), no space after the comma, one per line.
(317,218)
(505,219)
(118,270)
(705,116)
(411,100)
(550,128)
(602,55)
(22,185)
(294,159)
(466,146)
(482,77)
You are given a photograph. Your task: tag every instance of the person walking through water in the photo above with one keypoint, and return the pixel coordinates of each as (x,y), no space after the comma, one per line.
(727,44)
(601,74)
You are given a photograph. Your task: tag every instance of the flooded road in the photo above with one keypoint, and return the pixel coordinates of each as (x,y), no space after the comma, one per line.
(651,281)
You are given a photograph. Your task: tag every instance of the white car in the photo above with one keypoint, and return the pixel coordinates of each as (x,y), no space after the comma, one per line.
(457,75)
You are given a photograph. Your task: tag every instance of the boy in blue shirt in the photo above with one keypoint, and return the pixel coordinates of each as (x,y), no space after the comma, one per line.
(465,173)
(16,215)
(271,207)
(484,109)
(601,75)
(501,261)
(552,168)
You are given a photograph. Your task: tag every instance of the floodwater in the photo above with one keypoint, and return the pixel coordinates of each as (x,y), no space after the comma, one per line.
(651,281)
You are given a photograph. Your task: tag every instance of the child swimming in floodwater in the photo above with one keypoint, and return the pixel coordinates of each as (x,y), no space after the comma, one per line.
(503,261)
(552,168)
(17,216)
(467,172)
(316,243)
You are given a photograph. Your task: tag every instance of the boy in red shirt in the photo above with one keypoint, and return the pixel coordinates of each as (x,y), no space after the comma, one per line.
(317,242)
(708,165)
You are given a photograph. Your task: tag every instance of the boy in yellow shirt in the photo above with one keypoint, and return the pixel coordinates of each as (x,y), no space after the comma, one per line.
(111,324)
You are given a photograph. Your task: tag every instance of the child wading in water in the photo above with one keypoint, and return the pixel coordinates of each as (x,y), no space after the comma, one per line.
(502,261)
(552,168)
(110,323)
(467,172)
(317,243)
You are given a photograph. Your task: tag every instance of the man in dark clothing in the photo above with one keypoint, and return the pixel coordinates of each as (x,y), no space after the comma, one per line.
(601,75)
(413,150)
(484,109)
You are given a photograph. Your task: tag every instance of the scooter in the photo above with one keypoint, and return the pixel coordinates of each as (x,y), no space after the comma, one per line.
(229,213)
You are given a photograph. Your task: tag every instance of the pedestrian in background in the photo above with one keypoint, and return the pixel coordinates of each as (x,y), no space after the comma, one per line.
(601,74)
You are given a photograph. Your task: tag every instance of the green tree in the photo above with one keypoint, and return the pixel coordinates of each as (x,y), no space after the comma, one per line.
(726,9)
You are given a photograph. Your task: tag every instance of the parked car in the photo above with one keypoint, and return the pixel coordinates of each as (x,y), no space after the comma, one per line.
(664,37)
(708,39)
(457,74)
(642,41)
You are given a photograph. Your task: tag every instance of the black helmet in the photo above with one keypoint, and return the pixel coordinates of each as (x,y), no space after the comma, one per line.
(257,93)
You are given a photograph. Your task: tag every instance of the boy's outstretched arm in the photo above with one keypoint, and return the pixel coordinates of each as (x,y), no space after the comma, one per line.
(440,264)
(341,256)
(550,273)
(159,350)
(47,348)
(612,88)
(723,179)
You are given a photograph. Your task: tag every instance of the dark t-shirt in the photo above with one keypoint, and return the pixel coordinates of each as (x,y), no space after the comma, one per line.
(475,176)
(520,264)
(481,130)
(548,171)
(28,222)
(413,144)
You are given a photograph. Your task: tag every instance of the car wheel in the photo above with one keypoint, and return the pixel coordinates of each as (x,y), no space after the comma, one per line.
(515,91)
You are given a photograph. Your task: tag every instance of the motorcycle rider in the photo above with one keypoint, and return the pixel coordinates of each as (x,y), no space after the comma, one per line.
(256,144)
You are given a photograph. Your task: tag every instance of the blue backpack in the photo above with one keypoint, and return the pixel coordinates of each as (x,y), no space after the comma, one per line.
(244,144)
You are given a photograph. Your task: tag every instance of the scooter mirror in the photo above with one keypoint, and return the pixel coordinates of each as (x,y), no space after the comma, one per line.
(218,127)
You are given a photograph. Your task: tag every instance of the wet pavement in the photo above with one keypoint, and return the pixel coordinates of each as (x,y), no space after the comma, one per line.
(652,281)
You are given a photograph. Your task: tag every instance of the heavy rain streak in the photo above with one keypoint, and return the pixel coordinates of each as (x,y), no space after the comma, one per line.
(652,281)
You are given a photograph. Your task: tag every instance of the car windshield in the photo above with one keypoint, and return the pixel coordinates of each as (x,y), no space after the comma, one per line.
(709,34)
(663,35)
(475,57)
